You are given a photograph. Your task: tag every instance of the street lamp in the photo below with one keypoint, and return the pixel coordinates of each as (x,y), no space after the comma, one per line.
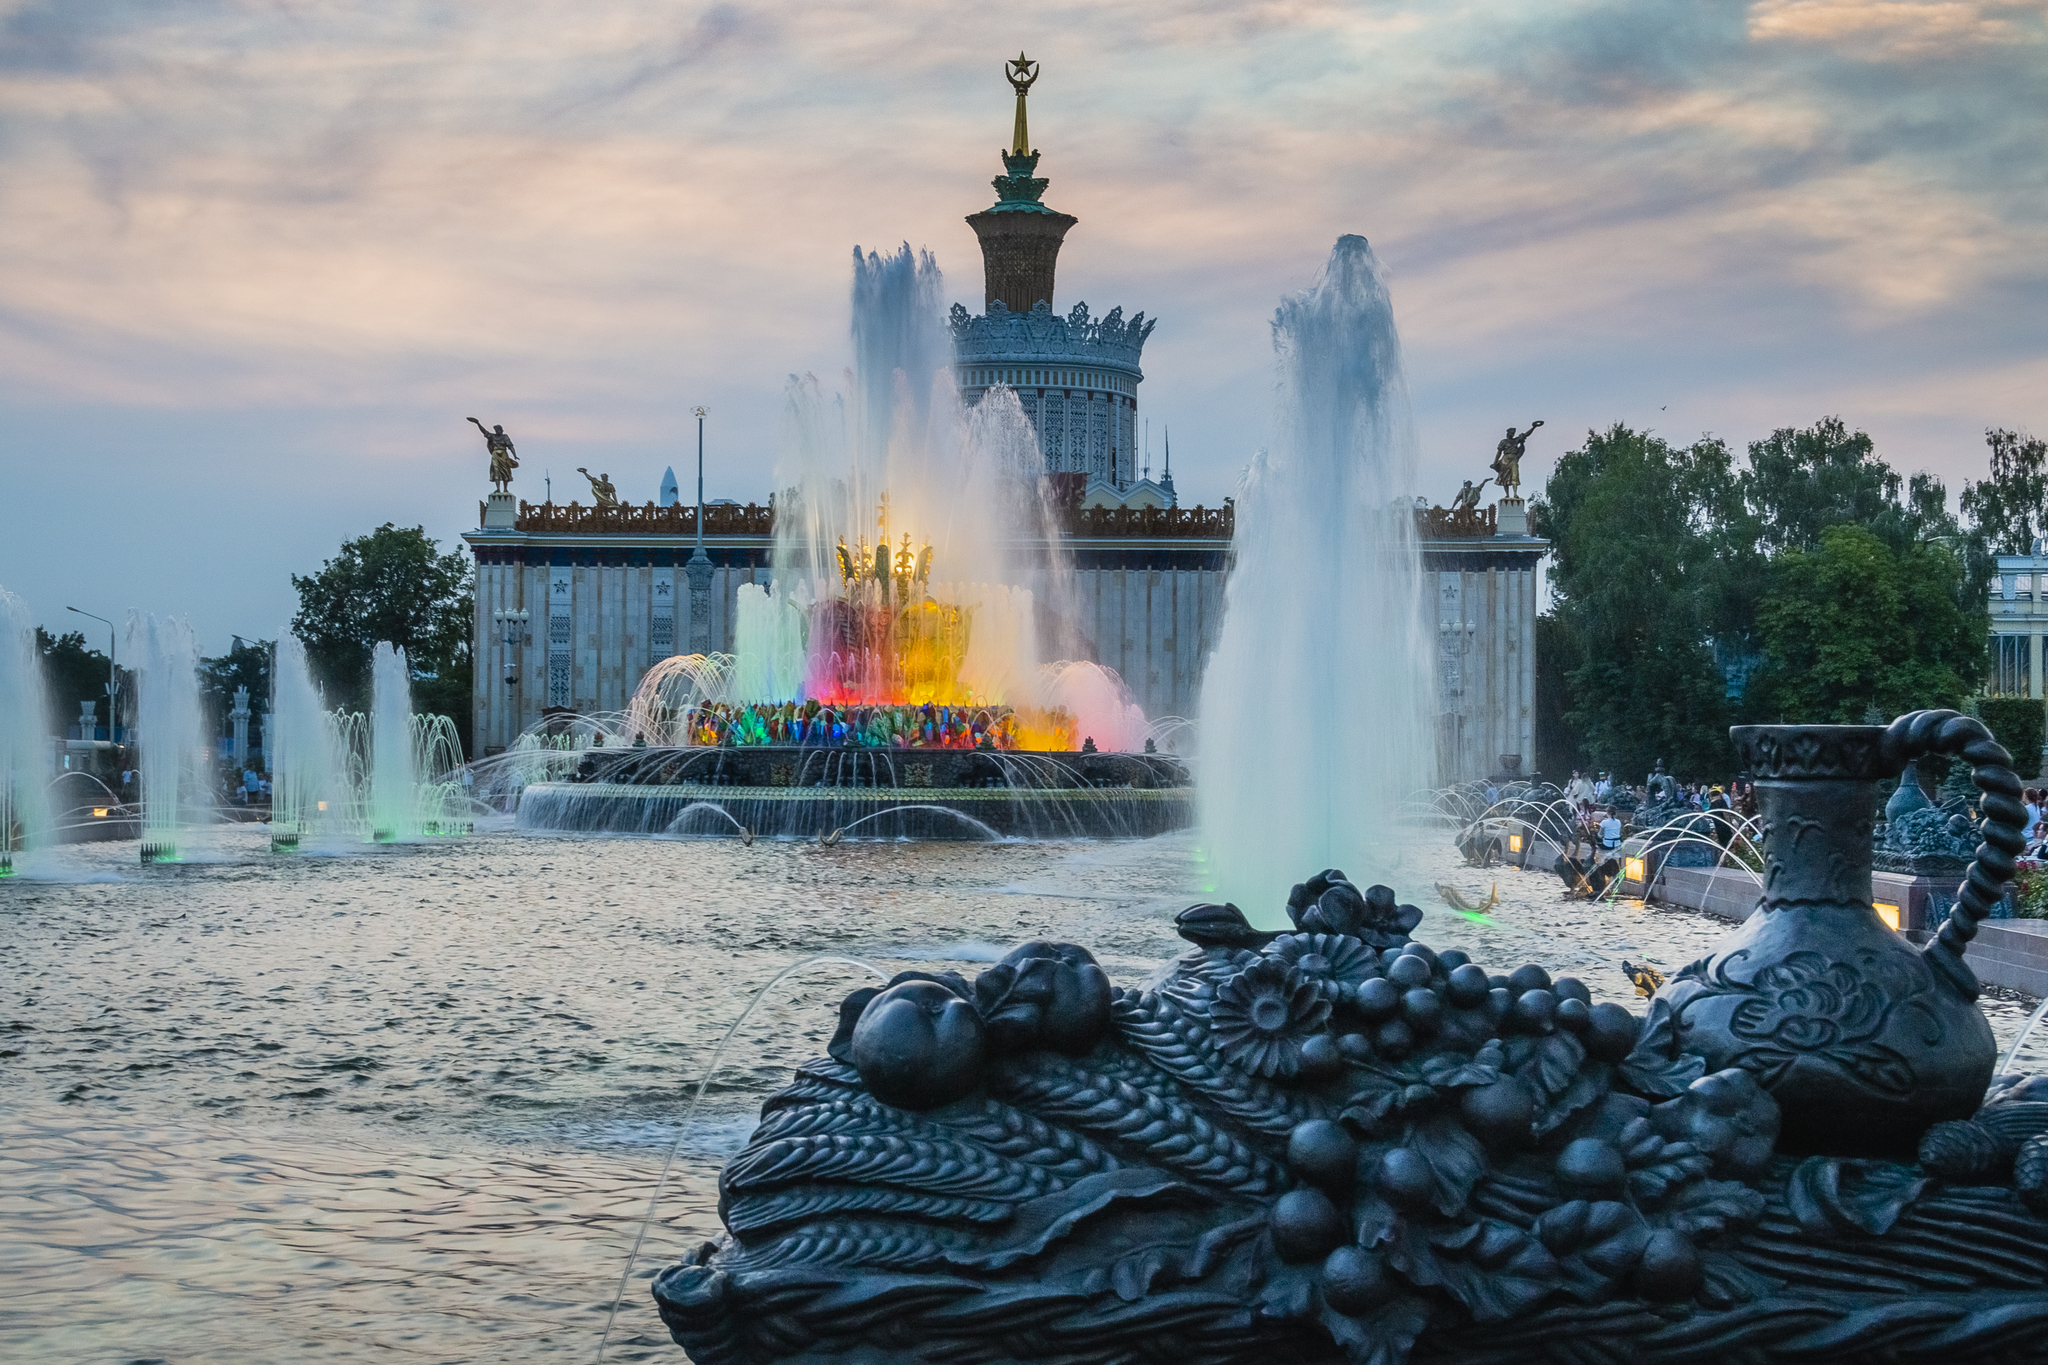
(113,675)
(512,634)
(699,567)
(701,414)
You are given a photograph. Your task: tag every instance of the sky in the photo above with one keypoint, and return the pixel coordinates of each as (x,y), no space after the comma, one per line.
(259,259)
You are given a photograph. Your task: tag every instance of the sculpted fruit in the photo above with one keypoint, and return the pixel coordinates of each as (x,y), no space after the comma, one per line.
(1320,1058)
(1306,1225)
(1499,1114)
(1593,1166)
(1323,1153)
(1354,1281)
(1405,1178)
(1467,986)
(918,1046)
(1611,1032)
(1671,1269)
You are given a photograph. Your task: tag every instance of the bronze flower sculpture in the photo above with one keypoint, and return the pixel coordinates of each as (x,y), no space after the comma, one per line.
(1339,1145)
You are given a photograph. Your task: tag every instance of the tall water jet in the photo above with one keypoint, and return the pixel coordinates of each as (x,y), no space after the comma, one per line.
(310,787)
(1315,708)
(394,775)
(24,748)
(896,573)
(170,734)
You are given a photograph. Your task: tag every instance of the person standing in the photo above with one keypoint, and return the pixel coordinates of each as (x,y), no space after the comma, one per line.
(1610,830)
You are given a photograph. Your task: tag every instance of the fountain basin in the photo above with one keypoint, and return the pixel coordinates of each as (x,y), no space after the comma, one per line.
(865,793)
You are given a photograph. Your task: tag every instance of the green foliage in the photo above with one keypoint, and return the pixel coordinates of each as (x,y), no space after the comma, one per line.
(246,664)
(1801,482)
(2030,893)
(73,673)
(1559,746)
(2009,510)
(1641,529)
(1813,583)
(391,585)
(2017,722)
(1855,623)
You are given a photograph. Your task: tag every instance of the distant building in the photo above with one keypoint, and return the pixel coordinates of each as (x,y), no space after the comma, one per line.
(2019,621)
(574,604)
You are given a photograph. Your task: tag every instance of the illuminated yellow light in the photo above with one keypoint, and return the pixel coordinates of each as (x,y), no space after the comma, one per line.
(1514,843)
(323,805)
(1633,870)
(1887,912)
(99,812)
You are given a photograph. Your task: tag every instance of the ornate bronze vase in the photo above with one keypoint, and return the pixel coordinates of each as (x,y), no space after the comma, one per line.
(1864,1040)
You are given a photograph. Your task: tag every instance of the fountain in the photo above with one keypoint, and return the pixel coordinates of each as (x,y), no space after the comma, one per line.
(310,789)
(893,677)
(24,749)
(393,805)
(389,776)
(1332,1143)
(170,732)
(1315,717)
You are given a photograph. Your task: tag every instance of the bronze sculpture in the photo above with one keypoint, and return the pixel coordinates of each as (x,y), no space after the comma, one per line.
(601,489)
(503,459)
(1334,1144)
(1467,497)
(1507,459)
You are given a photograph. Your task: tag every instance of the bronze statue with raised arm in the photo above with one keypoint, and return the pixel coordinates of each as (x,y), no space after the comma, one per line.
(503,460)
(1507,459)
(601,488)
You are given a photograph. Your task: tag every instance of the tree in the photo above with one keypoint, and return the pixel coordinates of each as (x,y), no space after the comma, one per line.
(246,664)
(391,585)
(2008,511)
(72,674)
(1801,482)
(1855,623)
(1645,535)
(1560,747)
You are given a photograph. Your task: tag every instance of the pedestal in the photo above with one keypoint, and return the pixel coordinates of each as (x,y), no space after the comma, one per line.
(1511,517)
(501,512)
(699,571)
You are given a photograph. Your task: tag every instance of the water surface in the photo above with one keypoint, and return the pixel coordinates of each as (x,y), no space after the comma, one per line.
(411,1104)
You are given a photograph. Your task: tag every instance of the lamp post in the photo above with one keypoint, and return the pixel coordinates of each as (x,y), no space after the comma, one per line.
(113,675)
(699,567)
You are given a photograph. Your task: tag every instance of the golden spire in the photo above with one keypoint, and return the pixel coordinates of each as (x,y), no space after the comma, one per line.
(1022,73)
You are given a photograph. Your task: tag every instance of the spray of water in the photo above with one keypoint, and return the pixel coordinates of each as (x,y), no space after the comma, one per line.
(1314,717)
(310,787)
(24,751)
(170,732)
(394,779)
(894,454)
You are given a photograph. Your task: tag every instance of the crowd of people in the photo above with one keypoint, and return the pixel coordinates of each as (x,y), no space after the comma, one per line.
(810,723)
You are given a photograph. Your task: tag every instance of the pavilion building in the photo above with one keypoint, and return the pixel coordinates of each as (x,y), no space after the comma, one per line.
(574,604)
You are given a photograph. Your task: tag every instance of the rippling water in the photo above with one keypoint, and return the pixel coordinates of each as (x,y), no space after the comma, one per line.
(411,1104)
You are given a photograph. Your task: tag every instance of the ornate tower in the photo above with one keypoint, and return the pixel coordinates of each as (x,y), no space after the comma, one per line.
(1076,376)
(1020,237)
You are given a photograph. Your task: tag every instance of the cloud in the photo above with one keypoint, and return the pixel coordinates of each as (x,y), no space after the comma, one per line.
(365,219)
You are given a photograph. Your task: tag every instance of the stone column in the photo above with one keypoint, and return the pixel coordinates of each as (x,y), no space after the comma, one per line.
(699,570)
(240,718)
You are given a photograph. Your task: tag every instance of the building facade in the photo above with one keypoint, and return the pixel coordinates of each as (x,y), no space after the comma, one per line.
(1483,568)
(574,604)
(2019,622)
